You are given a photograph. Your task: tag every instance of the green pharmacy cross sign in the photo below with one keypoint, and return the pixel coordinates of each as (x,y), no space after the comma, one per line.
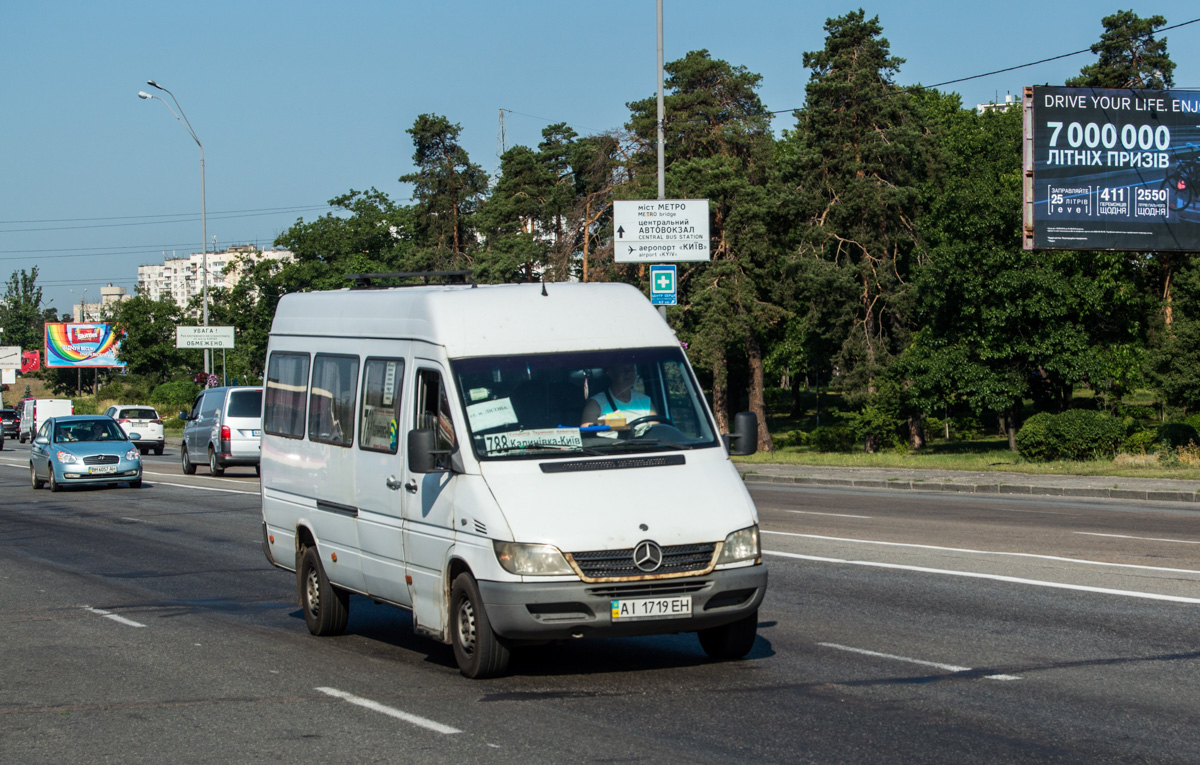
(662,285)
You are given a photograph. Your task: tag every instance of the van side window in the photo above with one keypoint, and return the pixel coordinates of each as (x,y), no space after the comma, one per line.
(433,408)
(287,384)
(380,430)
(331,399)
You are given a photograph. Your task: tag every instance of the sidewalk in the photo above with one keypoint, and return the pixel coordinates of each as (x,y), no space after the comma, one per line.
(899,479)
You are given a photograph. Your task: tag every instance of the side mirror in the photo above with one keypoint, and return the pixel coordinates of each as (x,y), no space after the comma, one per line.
(42,441)
(422,445)
(183,416)
(743,441)
(134,436)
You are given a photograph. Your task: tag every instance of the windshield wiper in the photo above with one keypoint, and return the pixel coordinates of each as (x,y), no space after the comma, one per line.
(653,443)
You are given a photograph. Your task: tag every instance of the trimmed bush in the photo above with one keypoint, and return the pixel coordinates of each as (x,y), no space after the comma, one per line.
(832,438)
(175,396)
(1076,434)
(1142,442)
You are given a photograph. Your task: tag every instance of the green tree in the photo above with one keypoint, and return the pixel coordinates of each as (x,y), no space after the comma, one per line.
(1129,55)
(1175,360)
(856,158)
(447,191)
(148,348)
(719,147)
(21,314)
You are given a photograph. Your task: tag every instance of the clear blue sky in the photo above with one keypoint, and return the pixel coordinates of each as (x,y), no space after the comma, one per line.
(298,102)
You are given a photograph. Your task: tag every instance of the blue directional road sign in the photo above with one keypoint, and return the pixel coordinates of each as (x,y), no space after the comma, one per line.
(662,285)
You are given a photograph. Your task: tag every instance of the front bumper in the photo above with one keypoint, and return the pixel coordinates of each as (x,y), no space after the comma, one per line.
(71,474)
(558,610)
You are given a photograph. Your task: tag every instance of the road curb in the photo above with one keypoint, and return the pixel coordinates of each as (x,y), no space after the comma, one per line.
(978,488)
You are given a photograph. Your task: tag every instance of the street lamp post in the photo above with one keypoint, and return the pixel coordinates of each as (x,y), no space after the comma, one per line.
(183,120)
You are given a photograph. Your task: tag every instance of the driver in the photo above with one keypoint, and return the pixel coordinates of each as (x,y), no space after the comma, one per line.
(620,400)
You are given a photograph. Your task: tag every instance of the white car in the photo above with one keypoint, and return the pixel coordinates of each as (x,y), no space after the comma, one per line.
(142,420)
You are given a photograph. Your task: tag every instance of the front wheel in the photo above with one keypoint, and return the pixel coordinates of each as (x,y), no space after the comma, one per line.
(213,466)
(479,651)
(730,641)
(54,485)
(326,608)
(34,481)
(188,467)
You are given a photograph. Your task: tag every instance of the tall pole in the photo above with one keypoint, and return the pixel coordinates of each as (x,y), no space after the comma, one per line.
(662,162)
(183,120)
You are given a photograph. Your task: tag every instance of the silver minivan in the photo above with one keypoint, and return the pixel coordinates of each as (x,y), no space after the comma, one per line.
(224,427)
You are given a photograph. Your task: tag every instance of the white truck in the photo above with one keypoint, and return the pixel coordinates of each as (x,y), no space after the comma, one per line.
(513,464)
(37,410)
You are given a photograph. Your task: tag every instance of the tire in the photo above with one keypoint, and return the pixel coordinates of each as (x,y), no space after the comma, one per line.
(477,649)
(326,608)
(142,450)
(730,641)
(188,467)
(136,483)
(158,450)
(54,486)
(34,481)
(258,470)
(213,467)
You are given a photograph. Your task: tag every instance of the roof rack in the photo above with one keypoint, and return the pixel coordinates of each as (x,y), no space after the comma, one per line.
(364,281)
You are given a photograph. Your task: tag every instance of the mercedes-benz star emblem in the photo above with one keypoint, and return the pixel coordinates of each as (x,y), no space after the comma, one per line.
(647,556)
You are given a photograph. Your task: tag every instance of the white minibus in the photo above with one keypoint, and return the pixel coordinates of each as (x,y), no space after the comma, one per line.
(513,464)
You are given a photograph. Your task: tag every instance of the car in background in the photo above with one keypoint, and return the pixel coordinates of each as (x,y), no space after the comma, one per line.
(83,449)
(224,426)
(10,424)
(144,421)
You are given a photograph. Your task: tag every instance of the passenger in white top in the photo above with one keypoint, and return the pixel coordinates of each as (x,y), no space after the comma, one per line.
(619,399)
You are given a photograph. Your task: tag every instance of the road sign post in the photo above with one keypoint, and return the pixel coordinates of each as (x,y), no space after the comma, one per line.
(660,230)
(663,288)
(204,337)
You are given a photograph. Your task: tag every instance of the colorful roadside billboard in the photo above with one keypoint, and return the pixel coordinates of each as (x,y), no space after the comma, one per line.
(82,345)
(1112,169)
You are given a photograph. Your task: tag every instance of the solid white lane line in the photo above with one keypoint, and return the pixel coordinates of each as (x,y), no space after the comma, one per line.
(835,515)
(375,706)
(936,665)
(1147,539)
(114,617)
(993,577)
(1081,561)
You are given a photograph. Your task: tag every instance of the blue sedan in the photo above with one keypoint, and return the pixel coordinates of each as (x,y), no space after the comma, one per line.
(83,449)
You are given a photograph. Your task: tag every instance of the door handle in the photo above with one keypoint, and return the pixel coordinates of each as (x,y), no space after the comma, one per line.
(411,486)
(393,482)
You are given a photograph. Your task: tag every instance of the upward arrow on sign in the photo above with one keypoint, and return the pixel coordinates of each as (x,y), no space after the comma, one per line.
(621,232)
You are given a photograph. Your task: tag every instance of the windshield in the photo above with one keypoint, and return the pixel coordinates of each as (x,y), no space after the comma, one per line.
(88,430)
(596,402)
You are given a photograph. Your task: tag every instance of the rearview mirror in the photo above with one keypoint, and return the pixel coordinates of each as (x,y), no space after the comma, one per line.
(743,441)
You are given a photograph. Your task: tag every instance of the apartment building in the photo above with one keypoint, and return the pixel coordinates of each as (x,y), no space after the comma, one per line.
(181,278)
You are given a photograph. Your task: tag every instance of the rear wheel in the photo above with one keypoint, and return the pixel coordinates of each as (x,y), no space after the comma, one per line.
(326,608)
(213,466)
(188,467)
(158,450)
(730,641)
(477,649)
(34,481)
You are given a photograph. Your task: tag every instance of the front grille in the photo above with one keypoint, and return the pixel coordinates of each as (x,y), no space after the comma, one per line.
(659,589)
(101,459)
(677,559)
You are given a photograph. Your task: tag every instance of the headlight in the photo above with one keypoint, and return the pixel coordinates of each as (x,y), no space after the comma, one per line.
(740,546)
(133,454)
(531,560)
(66,458)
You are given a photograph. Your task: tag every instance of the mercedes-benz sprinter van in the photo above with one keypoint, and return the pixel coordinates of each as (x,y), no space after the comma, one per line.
(511,463)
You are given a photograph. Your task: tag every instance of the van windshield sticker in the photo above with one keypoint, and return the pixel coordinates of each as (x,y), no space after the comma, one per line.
(523,439)
(491,414)
(478,394)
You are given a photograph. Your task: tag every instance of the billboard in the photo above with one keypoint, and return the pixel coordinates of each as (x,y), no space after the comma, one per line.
(1112,169)
(82,345)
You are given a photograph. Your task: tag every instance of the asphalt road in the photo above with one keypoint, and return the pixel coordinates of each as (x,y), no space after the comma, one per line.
(146,626)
